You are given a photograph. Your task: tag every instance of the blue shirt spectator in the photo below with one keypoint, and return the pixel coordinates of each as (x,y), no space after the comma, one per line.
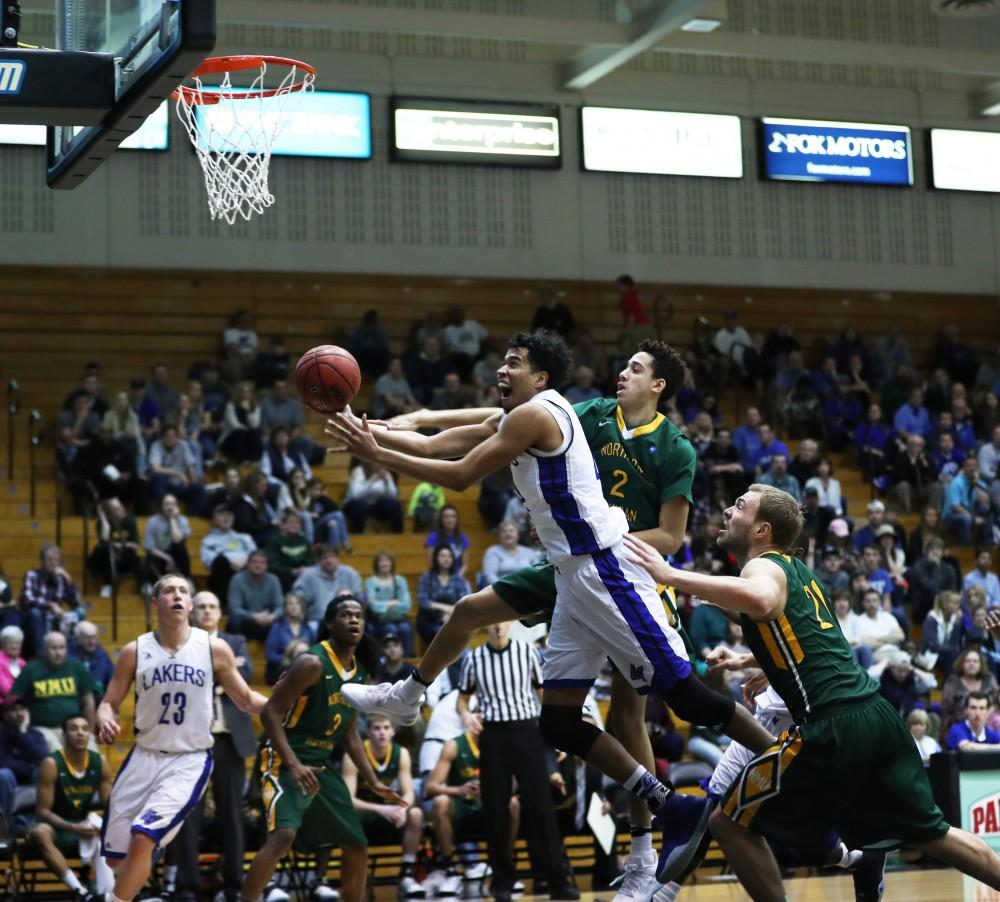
(86,648)
(983,577)
(912,417)
(779,477)
(747,439)
(973,730)
(769,446)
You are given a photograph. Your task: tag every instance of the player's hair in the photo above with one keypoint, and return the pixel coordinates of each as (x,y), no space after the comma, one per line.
(667,365)
(547,352)
(781,510)
(76,715)
(372,718)
(366,651)
(162,581)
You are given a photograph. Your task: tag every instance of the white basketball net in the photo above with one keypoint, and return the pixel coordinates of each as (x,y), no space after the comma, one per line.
(233,137)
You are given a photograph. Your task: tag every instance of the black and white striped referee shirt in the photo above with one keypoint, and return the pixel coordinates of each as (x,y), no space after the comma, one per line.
(504,681)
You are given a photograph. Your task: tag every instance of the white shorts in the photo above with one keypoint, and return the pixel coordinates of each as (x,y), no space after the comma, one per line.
(152,794)
(608,607)
(771,713)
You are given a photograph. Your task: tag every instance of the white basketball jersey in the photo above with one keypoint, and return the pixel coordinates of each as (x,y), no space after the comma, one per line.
(175,694)
(562,490)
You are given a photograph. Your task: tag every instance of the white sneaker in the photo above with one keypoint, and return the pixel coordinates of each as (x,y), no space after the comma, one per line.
(411,888)
(106,590)
(274,893)
(382,699)
(320,892)
(638,883)
(442,883)
(478,871)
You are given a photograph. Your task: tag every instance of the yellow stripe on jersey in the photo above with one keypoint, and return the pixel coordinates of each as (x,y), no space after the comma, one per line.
(791,638)
(472,744)
(793,745)
(645,429)
(345,673)
(772,647)
(270,786)
(377,765)
(292,718)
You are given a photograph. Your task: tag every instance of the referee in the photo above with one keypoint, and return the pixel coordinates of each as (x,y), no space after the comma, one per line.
(505,676)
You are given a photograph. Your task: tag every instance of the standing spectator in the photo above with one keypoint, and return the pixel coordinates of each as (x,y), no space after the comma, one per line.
(55,687)
(22,750)
(982,575)
(241,434)
(288,550)
(281,408)
(272,365)
(318,585)
(777,475)
(372,492)
(972,734)
(438,591)
(967,505)
(49,598)
(942,637)
(582,387)
(389,601)
(989,465)
(553,315)
(637,322)
(463,339)
(448,532)
(172,469)
(507,555)
(505,675)
(239,345)
(86,648)
(224,552)
(369,344)
(393,667)
(915,477)
(165,396)
(391,394)
(426,370)
(254,599)
(970,674)
(117,550)
(329,523)
(731,342)
(165,541)
(929,577)
(912,418)
(280,458)
(290,627)
(11,662)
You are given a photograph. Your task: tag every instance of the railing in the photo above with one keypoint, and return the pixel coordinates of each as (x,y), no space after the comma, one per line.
(34,440)
(13,408)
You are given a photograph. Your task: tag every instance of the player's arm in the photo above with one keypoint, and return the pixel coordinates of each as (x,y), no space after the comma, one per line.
(440,419)
(45,798)
(406,776)
(349,771)
(356,752)
(107,711)
(668,536)
(452,442)
(306,671)
(437,782)
(104,790)
(722,658)
(526,427)
(233,684)
(759,591)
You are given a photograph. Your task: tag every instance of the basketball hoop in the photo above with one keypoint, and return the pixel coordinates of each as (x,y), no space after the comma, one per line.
(234,142)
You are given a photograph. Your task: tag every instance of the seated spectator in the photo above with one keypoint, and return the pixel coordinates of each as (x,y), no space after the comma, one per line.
(506,556)
(463,339)
(891,350)
(875,570)
(800,408)
(805,464)
(582,387)
(49,598)
(198,426)
(77,426)
(172,469)
(86,648)
(946,459)
(912,418)
(162,393)
(165,541)
(391,394)
(257,511)
(147,411)
(746,438)
(972,734)
(329,524)
(9,615)
(850,627)
(369,344)
(254,598)
(893,557)
(228,492)
(701,432)
(241,438)
(929,577)
(914,476)
(779,343)
(426,370)
(117,549)
(291,626)
(55,687)
(448,532)
(769,446)
(876,626)
(725,472)
(987,413)
(280,458)
(943,632)
(552,315)
(873,439)
(280,408)
(239,347)
(90,385)
(389,601)
(438,591)
(288,550)
(928,528)
(964,424)
(372,492)
(867,534)
(777,475)
(919,723)
(855,382)
(388,824)
(731,343)
(392,666)
(845,345)
(319,584)
(988,460)
(224,551)
(967,505)
(983,575)
(832,576)
(450,395)
(901,686)
(11,662)
(123,424)
(272,365)
(585,353)
(495,493)
(425,505)
(970,674)
(190,418)
(22,750)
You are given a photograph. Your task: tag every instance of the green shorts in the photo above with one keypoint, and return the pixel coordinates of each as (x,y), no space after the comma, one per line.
(856,771)
(325,819)
(467,818)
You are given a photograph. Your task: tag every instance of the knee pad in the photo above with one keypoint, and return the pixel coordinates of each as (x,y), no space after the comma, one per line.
(691,700)
(565,729)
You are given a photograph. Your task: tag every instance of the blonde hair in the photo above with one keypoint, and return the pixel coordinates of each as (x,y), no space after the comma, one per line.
(918,716)
(943,598)
(975,597)
(782,511)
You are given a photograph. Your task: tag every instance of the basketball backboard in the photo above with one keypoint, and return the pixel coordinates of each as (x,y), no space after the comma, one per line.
(114,62)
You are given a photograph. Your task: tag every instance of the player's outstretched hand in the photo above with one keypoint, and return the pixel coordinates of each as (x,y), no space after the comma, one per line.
(406,422)
(993,622)
(647,557)
(353,435)
(107,729)
(388,795)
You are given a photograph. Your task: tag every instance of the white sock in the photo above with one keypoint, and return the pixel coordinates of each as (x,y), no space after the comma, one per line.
(668,892)
(642,847)
(848,859)
(72,881)
(411,690)
(115,898)
(104,877)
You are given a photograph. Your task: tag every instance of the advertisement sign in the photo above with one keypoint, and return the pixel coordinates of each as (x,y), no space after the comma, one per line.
(153,134)
(315,124)
(475,132)
(818,151)
(965,161)
(980,800)
(657,142)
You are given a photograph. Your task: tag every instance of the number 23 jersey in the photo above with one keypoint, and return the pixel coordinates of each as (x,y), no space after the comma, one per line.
(174,694)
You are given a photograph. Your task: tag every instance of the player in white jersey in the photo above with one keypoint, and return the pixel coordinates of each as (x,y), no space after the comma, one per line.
(607,606)
(164,776)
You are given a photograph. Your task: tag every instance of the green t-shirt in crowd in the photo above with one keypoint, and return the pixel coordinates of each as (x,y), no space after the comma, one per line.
(53,693)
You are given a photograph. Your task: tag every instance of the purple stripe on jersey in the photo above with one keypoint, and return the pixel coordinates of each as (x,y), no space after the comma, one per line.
(553,479)
(668,667)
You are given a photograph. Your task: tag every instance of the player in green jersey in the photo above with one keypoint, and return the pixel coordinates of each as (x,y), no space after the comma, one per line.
(305,718)
(69,781)
(849,763)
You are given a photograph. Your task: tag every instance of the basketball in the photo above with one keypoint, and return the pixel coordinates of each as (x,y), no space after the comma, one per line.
(327,378)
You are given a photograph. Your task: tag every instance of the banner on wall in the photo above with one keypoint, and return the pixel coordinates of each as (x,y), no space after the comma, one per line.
(153,134)
(810,150)
(460,131)
(980,801)
(965,160)
(658,142)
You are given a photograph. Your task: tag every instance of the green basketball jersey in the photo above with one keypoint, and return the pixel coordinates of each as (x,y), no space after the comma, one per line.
(387,770)
(320,717)
(640,468)
(803,651)
(74,791)
(465,767)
